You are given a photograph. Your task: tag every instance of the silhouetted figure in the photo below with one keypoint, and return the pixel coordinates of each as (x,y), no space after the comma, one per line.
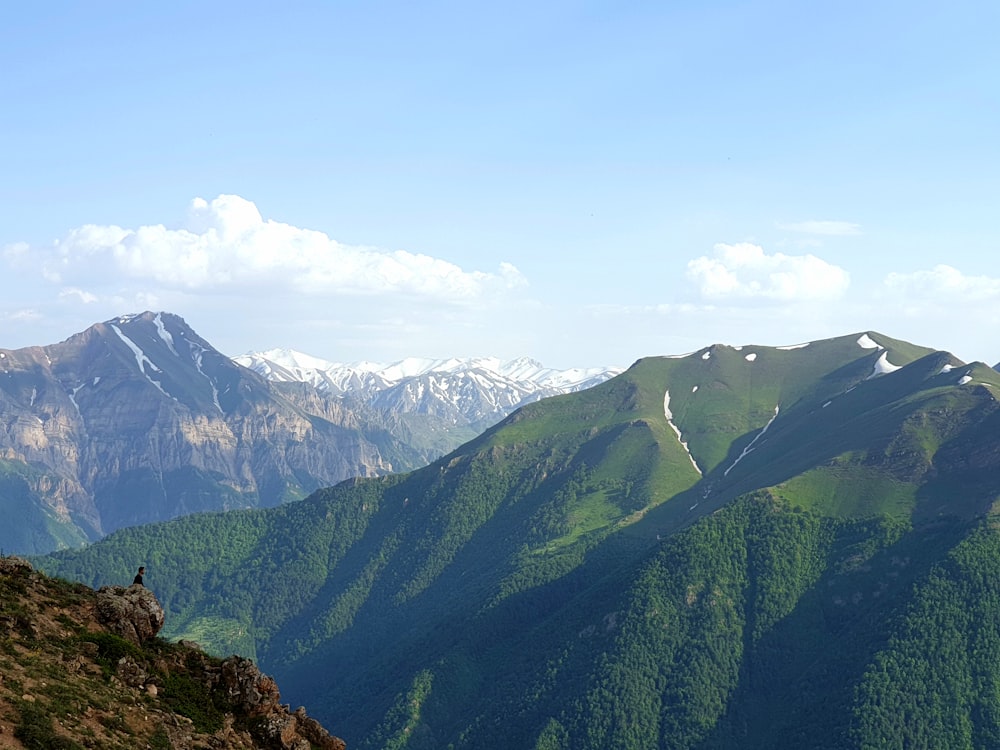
(138,577)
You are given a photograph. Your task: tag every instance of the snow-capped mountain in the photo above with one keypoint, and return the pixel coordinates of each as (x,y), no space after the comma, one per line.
(461,391)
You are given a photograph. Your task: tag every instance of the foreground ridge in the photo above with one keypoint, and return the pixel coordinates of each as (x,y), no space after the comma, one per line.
(85,669)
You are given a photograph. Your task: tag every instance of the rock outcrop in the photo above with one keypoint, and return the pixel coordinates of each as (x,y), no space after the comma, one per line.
(85,668)
(256,695)
(134,613)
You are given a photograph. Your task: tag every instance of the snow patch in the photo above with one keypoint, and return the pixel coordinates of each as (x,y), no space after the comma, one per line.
(164,333)
(827,404)
(694,390)
(867,342)
(946,368)
(140,358)
(72,397)
(883,367)
(198,353)
(793,346)
(706,355)
(670,421)
(751,357)
(753,442)
(965,379)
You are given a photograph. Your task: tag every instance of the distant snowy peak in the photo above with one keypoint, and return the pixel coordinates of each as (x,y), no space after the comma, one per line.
(287,365)
(474,392)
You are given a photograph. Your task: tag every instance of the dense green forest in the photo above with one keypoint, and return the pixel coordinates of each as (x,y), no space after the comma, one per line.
(758,626)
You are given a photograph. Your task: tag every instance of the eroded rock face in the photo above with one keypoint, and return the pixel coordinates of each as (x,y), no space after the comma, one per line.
(14,566)
(252,693)
(246,686)
(134,613)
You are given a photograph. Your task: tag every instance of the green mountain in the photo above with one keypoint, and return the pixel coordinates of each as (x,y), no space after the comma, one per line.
(754,547)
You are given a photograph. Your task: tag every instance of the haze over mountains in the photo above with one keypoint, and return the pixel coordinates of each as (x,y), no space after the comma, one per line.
(740,547)
(139,419)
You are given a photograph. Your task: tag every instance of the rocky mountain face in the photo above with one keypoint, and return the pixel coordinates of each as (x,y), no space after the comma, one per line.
(139,419)
(85,669)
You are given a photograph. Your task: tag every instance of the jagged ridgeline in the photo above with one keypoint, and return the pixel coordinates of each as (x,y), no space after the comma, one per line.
(753,547)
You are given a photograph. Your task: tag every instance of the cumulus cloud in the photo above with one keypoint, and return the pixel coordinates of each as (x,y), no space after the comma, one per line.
(943,284)
(78,294)
(745,271)
(830,228)
(226,244)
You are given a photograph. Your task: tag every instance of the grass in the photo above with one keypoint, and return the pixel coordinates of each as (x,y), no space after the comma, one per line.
(111,648)
(848,491)
(36,732)
(189,697)
(217,635)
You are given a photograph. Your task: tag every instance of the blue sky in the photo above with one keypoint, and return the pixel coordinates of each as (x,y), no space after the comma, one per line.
(583,183)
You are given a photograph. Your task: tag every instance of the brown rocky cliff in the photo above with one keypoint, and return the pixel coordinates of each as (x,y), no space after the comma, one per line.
(85,669)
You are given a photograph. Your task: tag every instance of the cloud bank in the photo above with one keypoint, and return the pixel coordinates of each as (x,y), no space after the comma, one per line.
(225,244)
(943,284)
(745,271)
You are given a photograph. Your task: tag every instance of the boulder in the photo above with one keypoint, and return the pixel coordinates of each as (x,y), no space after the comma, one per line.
(14,565)
(134,613)
(254,694)
(248,688)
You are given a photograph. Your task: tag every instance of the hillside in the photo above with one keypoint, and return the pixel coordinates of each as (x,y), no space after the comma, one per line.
(715,550)
(77,672)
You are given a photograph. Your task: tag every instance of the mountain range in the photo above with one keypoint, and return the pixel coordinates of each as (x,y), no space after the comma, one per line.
(139,419)
(742,547)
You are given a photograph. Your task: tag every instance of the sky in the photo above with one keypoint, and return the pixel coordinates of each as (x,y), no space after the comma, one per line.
(584,183)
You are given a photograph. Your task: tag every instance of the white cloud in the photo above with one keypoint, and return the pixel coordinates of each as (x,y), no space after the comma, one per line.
(23,316)
(745,271)
(943,284)
(226,244)
(78,294)
(830,228)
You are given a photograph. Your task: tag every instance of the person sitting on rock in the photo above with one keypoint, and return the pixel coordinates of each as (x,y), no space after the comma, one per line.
(138,577)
